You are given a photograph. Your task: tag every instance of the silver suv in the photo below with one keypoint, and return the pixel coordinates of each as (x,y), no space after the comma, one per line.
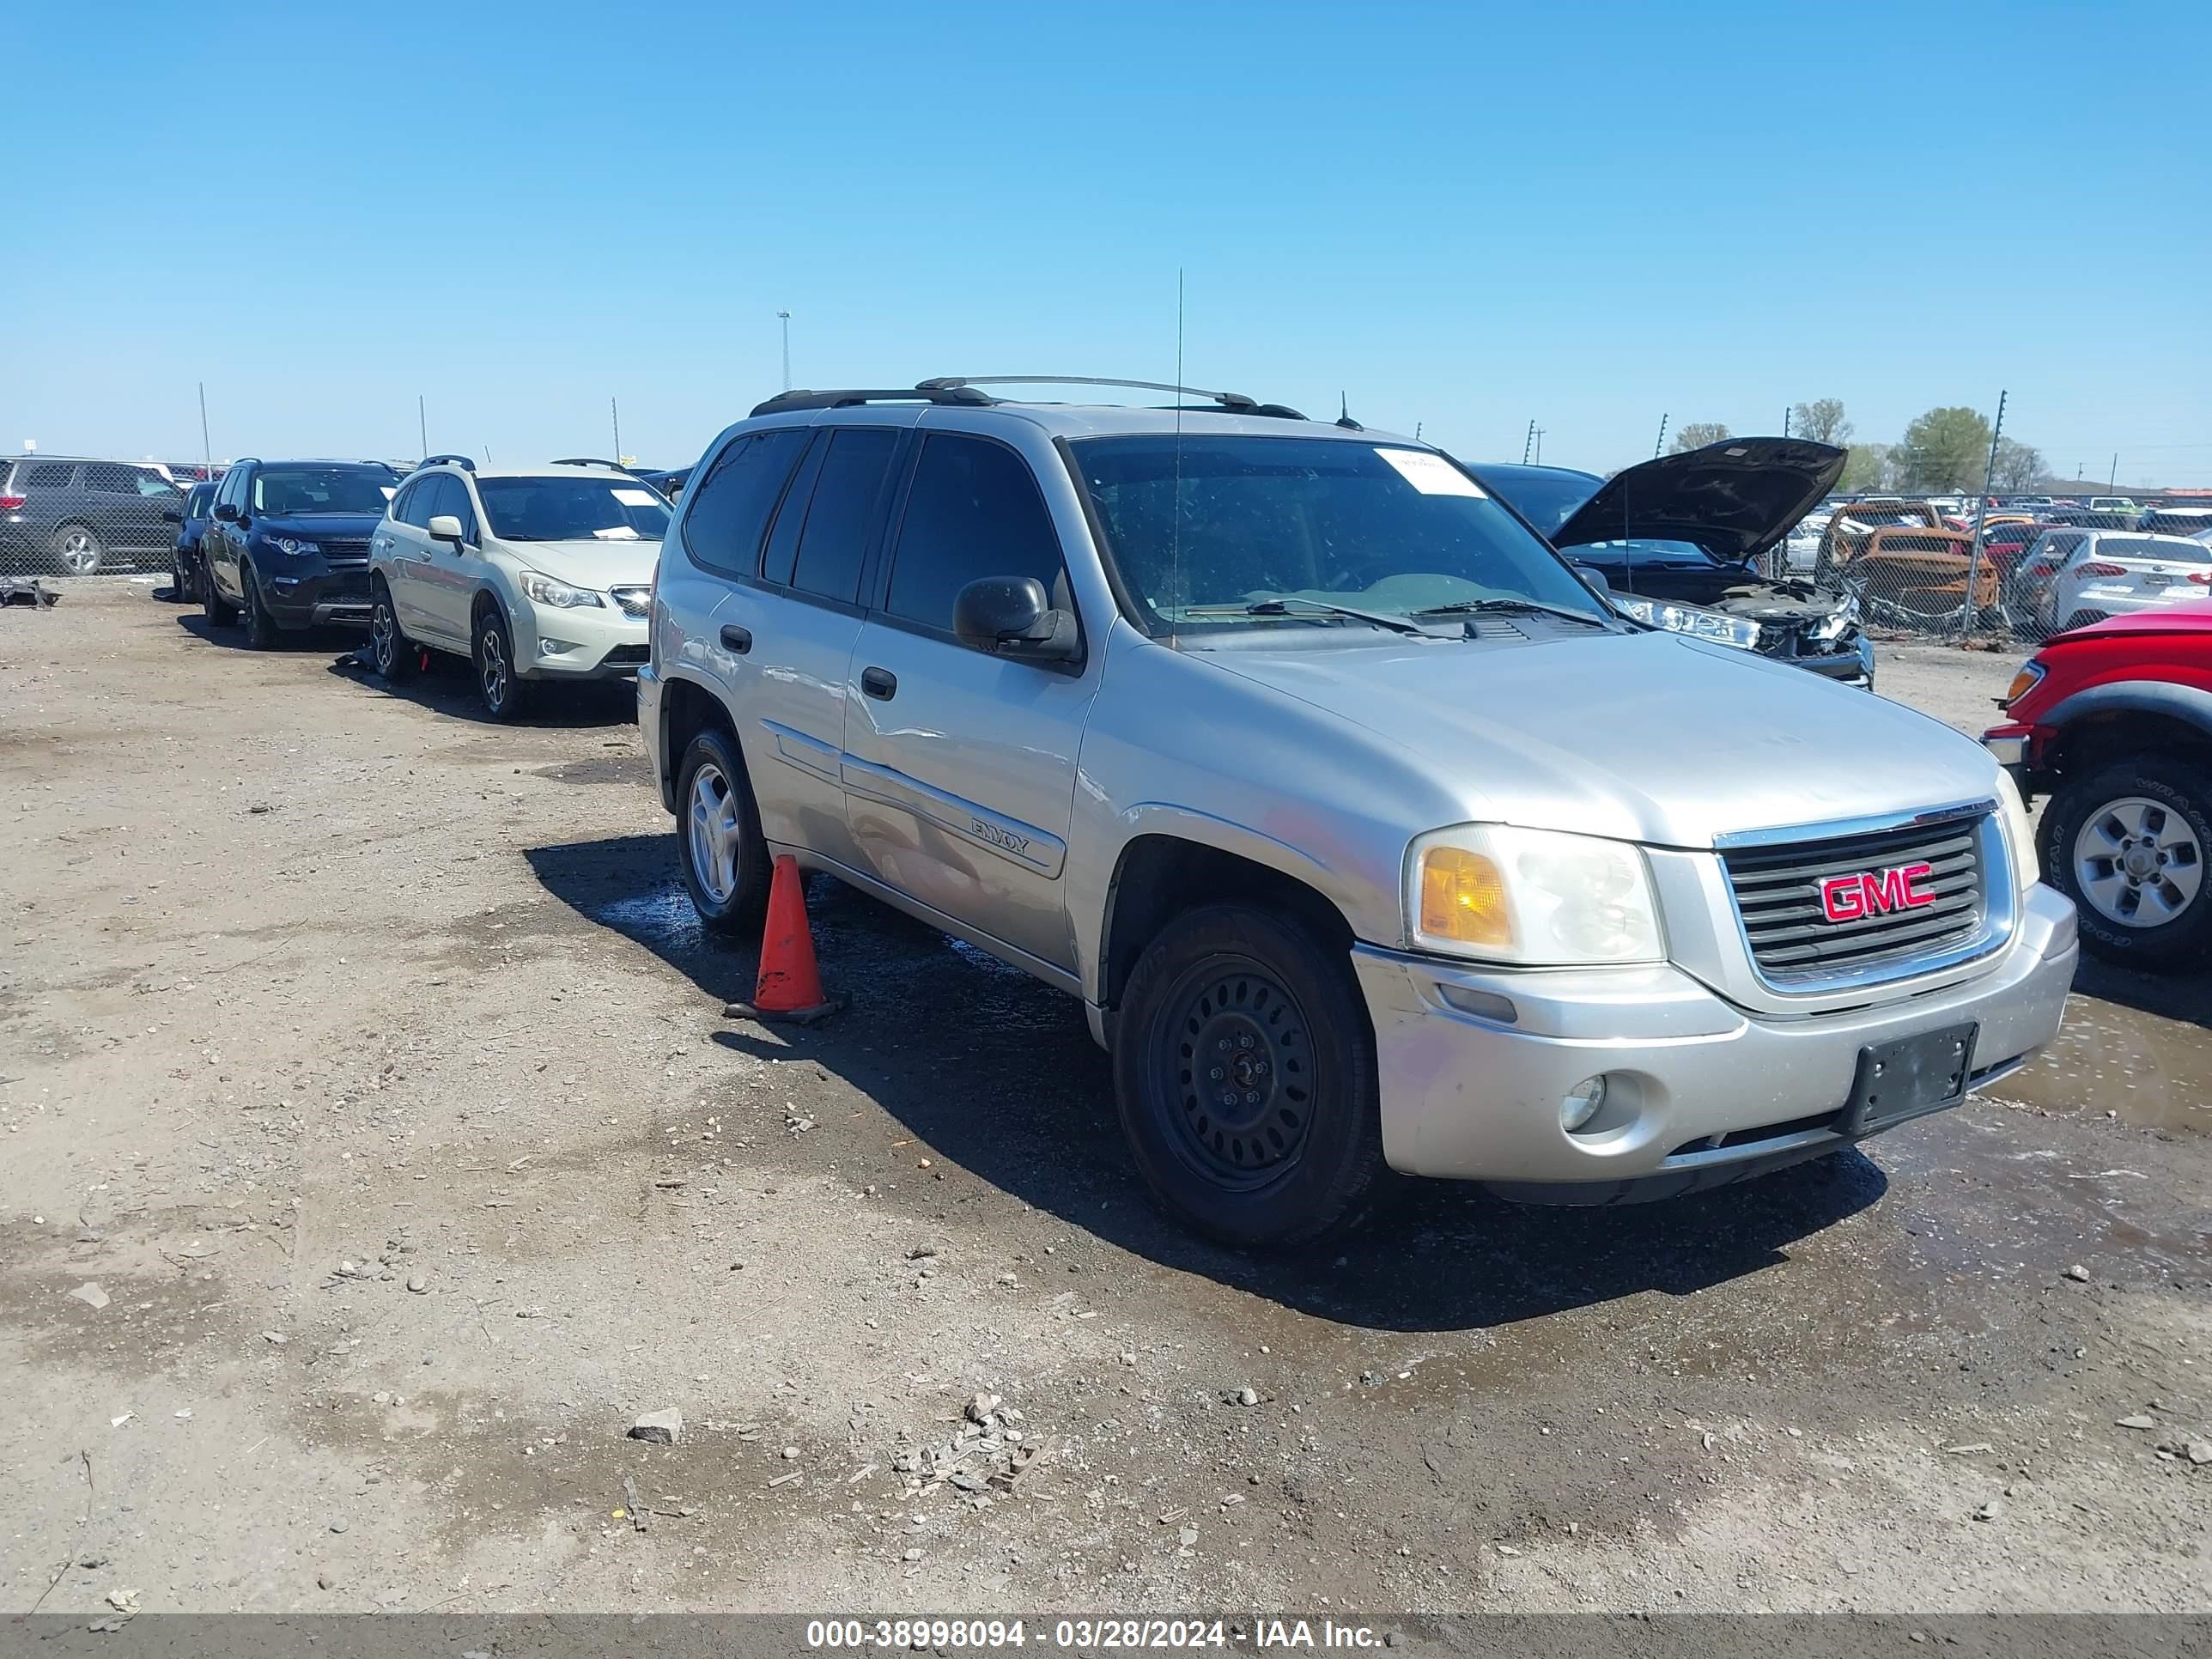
(1369,834)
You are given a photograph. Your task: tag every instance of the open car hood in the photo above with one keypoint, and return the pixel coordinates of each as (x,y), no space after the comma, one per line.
(1735,498)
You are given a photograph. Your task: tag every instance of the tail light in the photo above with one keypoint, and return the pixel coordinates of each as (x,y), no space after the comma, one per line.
(13,503)
(2201,578)
(2041,570)
(2100,568)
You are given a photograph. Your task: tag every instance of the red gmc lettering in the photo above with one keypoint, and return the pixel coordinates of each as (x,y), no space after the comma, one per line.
(1875,892)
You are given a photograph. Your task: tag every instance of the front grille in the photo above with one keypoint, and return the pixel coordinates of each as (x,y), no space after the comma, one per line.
(1778,894)
(346,552)
(634,601)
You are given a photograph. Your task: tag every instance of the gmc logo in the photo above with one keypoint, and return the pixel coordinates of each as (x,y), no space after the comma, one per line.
(1874,892)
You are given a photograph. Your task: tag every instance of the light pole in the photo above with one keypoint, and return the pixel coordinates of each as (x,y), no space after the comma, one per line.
(784,317)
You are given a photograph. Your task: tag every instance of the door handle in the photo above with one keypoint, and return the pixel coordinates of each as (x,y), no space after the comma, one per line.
(880,683)
(739,639)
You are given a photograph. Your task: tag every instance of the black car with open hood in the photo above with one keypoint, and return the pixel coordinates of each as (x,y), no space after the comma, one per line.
(1677,540)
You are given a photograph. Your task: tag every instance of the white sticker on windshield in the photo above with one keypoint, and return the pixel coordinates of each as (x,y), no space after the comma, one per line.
(390,490)
(636,497)
(621,532)
(1432,474)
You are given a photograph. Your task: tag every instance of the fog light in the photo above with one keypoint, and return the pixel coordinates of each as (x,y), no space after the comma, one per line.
(1581,1103)
(554,647)
(283,584)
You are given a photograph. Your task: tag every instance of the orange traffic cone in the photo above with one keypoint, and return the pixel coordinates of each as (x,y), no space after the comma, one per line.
(790,987)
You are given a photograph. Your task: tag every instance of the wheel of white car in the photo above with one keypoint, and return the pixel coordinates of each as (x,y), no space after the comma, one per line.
(389,650)
(1244,1074)
(2129,843)
(505,692)
(718,836)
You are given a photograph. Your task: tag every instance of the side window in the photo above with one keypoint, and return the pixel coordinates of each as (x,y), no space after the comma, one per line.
(729,512)
(233,487)
(851,484)
(47,477)
(781,557)
(407,505)
(974,511)
(104,479)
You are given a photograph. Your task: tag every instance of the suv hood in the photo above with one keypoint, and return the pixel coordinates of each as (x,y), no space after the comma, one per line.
(593,564)
(1649,738)
(318,527)
(1736,499)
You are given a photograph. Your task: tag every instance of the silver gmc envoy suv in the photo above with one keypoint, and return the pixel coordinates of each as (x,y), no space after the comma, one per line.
(1371,837)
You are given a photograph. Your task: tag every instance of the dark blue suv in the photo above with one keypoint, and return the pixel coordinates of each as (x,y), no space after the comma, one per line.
(287,546)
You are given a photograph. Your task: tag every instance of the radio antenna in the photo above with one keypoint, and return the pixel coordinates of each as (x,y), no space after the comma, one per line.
(1175,502)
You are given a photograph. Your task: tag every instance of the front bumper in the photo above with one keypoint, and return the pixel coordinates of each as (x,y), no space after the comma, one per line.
(582,643)
(1702,1091)
(314,599)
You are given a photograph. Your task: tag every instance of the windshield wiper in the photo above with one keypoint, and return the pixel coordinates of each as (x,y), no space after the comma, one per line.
(1473,607)
(1317,607)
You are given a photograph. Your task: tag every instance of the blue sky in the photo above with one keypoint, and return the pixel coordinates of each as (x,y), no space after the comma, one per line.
(1462,216)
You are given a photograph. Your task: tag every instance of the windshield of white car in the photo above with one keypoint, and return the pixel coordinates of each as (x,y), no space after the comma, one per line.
(1207,529)
(572,509)
(280,491)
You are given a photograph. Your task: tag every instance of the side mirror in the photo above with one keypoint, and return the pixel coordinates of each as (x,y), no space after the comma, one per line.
(227,512)
(170,515)
(1010,616)
(445,527)
(1595,578)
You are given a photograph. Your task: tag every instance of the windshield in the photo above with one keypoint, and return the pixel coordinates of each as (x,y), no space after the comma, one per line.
(1232,521)
(579,509)
(1644,555)
(279,490)
(1546,496)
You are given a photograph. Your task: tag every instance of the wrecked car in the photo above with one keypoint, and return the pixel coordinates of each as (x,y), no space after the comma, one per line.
(1678,541)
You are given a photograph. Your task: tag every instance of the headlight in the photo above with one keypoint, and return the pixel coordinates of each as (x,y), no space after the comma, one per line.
(1540,898)
(2019,832)
(544,589)
(1694,620)
(291,544)
(1832,628)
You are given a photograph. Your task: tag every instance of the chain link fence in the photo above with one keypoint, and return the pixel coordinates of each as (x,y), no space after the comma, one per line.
(65,516)
(2003,571)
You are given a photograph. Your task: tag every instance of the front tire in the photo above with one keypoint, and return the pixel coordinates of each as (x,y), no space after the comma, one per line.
(77,551)
(1244,1074)
(2130,844)
(718,836)
(504,693)
(391,651)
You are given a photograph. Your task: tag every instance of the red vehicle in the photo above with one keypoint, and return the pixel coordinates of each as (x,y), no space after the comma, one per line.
(2114,723)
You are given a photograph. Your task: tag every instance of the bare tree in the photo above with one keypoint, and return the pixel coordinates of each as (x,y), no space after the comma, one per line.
(1696,435)
(1821,420)
(2020,466)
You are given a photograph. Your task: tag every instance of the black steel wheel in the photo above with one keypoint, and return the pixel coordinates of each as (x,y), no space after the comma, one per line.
(1244,1074)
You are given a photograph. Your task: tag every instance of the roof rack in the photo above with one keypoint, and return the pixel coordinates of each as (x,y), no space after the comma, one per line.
(588,461)
(928,392)
(461,461)
(1235,402)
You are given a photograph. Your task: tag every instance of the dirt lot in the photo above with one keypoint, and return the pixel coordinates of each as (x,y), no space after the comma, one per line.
(302,974)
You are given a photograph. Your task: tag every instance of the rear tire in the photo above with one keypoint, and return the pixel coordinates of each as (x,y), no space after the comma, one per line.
(220,612)
(261,630)
(77,551)
(2131,841)
(505,695)
(1244,1074)
(391,652)
(718,836)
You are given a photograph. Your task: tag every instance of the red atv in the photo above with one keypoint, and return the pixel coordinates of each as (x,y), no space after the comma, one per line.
(2114,723)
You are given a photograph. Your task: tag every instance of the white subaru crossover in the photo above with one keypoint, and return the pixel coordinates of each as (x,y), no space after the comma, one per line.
(535,574)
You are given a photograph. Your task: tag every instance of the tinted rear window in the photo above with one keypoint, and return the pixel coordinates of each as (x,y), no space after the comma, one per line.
(730,509)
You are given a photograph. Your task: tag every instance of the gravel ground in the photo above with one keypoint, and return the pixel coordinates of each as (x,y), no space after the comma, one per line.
(375,1155)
